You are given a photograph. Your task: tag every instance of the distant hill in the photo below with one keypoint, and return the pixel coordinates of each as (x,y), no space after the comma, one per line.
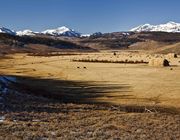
(174,48)
(36,44)
(132,40)
(65,39)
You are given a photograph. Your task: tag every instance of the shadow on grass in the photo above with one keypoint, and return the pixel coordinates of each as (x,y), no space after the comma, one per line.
(69,91)
(61,91)
(59,94)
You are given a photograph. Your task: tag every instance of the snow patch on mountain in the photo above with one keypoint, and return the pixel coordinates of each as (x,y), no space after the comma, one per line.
(7,31)
(168,27)
(85,35)
(26,33)
(62,31)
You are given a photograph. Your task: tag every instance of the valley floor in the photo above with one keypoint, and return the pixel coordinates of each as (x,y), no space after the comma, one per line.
(57,98)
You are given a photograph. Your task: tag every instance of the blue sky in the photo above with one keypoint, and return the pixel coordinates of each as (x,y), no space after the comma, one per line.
(86,16)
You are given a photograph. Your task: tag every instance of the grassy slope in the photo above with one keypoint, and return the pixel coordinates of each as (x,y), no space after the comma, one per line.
(174,48)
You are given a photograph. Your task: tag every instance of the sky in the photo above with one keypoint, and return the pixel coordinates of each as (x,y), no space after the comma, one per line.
(86,16)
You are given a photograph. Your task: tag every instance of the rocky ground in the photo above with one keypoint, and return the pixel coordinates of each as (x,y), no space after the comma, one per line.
(29,117)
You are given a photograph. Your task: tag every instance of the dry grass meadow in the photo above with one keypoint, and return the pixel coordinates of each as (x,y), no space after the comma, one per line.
(92,96)
(119,83)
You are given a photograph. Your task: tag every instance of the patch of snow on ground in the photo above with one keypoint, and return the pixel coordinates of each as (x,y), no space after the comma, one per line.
(4,83)
(3,80)
(7,79)
(4,91)
(2,118)
(12,79)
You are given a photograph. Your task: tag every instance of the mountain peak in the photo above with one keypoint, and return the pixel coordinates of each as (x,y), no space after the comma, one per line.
(167,27)
(63,27)
(172,22)
(62,31)
(7,31)
(26,32)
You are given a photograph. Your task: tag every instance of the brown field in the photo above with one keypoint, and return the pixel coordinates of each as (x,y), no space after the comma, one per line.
(87,100)
(137,84)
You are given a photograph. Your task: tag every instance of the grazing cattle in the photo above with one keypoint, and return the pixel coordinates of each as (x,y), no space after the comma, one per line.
(85,68)
(78,67)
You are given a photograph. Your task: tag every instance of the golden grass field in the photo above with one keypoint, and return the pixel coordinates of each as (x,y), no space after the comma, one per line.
(127,84)
(90,100)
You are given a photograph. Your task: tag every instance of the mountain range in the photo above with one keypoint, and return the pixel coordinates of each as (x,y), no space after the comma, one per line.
(60,31)
(163,38)
(65,31)
(168,27)
(40,44)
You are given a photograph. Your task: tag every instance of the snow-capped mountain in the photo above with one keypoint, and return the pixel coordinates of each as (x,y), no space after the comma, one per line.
(7,31)
(62,31)
(168,27)
(26,33)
